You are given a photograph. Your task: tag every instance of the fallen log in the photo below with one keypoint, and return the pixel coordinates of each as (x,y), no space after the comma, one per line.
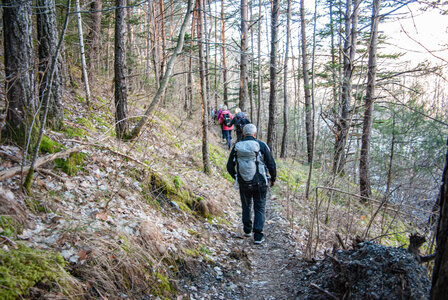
(10,157)
(11,172)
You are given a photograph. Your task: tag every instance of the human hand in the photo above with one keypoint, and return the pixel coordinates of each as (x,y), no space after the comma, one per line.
(271,183)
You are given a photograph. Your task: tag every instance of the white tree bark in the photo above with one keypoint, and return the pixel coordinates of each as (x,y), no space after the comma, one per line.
(83,56)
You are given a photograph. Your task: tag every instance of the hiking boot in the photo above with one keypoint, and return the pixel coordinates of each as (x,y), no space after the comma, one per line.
(258,238)
(259,241)
(247,234)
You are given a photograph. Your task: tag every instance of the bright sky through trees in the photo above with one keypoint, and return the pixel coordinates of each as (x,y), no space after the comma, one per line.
(418,34)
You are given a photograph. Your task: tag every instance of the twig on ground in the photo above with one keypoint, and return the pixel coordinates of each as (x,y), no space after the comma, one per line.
(111,150)
(341,241)
(13,244)
(331,295)
(48,172)
(99,293)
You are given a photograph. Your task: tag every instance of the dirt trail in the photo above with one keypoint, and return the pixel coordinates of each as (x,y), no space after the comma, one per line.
(248,271)
(274,263)
(243,270)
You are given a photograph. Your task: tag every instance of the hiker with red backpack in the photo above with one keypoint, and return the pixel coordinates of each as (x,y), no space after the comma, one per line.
(248,163)
(225,118)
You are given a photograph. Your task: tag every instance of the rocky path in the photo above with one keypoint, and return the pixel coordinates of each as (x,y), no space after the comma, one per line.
(274,263)
(248,271)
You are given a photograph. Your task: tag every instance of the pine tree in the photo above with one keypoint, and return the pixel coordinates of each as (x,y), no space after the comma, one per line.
(48,41)
(19,62)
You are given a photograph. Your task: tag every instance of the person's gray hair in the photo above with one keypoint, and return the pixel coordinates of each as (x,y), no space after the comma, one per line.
(224,107)
(249,130)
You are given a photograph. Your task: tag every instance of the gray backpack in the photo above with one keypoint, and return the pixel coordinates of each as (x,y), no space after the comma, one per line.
(249,162)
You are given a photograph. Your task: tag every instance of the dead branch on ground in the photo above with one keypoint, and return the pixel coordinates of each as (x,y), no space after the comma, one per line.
(324,291)
(11,172)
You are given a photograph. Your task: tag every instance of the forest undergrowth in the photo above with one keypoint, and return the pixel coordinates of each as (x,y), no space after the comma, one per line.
(140,219)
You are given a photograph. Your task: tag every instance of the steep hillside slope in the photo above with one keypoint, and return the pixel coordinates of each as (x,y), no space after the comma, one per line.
(127,218)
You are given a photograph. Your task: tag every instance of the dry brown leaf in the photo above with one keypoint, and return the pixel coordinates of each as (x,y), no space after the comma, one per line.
(122,194)
(102,216)
(41,183)
(89,285)
(82,254)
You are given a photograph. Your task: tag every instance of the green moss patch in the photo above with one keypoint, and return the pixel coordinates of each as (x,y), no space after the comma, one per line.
(162,189)
(72,164)
(292,173)
(86,123)
(177,182)
(219,158)
(47,145)
(163,286)
(23,268)
(8,226)
(72,132)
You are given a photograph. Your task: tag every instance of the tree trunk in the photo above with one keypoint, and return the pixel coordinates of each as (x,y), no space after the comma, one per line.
(83,56)
(19,61)
(216,58)
(244,90)
(310,170)
(333,56)
(272,123)
(45,102)
(48,41)
(130,54)
(162,24)
(206,46)
(252,65)
(285,84)
(351,24)
(223,49)
(189,97)
(307,87)
(260,79)
(364,162)
(108,47)
(121,96)
(439,288)
(169,67)
(295,125)
(148,42)
(95,34)
(155,45)
(202,75)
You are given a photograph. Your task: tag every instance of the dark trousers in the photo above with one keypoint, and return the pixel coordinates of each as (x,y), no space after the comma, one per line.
(255,194)
(222,131)
(228,136)
(239,135)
